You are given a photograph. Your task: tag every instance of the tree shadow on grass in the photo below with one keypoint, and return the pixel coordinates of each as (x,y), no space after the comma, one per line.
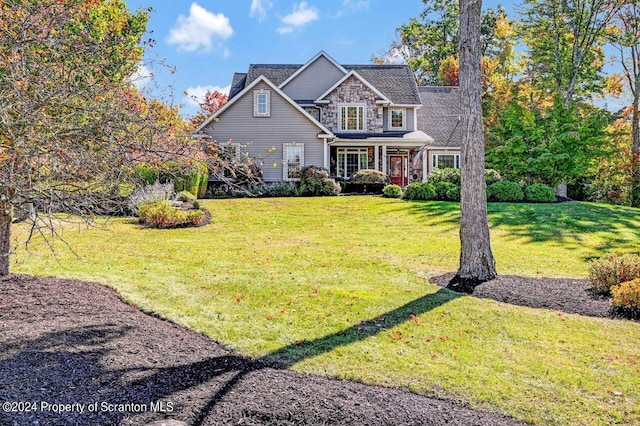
(570,222)
(88,364)
(292,354)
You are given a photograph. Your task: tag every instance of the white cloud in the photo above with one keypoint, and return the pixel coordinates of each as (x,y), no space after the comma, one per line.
(195,95)
(199,28)
(141,77)
(356,4)
(302,14)
(259,9)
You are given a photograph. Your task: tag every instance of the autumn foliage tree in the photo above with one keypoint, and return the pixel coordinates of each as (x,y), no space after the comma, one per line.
(211,103)
(70,119)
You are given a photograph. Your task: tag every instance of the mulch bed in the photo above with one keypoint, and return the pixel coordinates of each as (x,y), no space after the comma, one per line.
(73,342)
(572,296)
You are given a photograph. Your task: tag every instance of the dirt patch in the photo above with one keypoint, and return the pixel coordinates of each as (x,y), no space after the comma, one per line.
(96,360)
(572,296)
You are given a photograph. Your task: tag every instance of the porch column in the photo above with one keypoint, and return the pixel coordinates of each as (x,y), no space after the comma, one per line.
(384,159)
(325,153)
(425,157)
(376,157)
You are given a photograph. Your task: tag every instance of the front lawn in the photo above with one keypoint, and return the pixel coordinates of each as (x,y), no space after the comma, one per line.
(338,286)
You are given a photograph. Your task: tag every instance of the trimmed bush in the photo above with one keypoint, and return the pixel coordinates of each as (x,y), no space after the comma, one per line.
(626,297)
(367,181)
(420,191)
(453,194)
(539,193)
(280,189)
(185,196)
(491,176)
(442,188)
(505,191)
(613,269)
(392,191)
(444,175)
(163,215)
(369,176)
(316,181)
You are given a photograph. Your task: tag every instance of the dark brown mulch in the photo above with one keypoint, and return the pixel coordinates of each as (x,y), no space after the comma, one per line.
(572,296)
(72,342)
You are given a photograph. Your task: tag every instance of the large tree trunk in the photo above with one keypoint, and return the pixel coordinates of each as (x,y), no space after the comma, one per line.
(5,238)
(476,260)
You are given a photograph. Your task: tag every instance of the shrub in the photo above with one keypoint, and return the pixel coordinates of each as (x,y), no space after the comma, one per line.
(150,194)
(453,194)
(204,183)
(539,193)
(185,196)
(196,204)
(392,191)
(369,176)
(442,188)
(148,174)
(420,191)
(626,297)
(505,191)
(491,176)
(613,269)
(280,189)
(195,217)
(444,175)
(163,214)
(316,181)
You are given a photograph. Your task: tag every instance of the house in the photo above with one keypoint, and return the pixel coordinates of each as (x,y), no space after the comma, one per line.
(341,117)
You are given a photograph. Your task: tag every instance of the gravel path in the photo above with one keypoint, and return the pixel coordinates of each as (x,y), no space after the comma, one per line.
(73,353)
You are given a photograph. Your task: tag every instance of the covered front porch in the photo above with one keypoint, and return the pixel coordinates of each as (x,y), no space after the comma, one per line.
(403,158)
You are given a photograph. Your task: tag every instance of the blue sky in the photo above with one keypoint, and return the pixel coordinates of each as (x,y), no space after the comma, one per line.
(208,40)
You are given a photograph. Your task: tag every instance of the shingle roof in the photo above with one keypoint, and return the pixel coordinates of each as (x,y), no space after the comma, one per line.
(276,73)
(396,82)
(238,83)
(439,116)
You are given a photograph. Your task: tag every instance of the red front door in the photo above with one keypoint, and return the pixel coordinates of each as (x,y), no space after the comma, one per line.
(396,170)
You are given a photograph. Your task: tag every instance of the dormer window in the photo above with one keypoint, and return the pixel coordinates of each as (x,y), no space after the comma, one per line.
(262,103)
(352,117)
(397,120)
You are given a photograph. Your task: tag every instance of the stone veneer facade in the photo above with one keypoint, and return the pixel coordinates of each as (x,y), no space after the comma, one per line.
(352,91)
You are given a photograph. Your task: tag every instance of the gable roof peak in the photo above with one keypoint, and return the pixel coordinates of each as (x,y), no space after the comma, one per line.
(247,89)
(354,73)
(321,54)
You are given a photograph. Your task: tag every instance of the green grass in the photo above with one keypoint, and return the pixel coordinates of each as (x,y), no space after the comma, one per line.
(339,286)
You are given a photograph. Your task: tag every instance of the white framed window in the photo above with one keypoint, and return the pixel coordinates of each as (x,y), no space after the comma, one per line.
(352,117)
(350,160)
(262,103)
(292,161)
(397,119)
(442,161)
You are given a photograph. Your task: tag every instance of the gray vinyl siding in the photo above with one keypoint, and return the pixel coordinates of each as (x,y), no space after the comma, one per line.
(314,80)
(257,134)
(409,119)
